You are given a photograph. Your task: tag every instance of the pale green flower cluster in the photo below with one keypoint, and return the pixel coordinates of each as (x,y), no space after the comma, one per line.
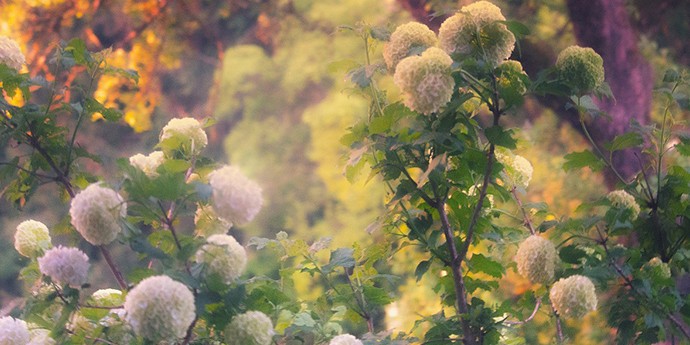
(345,339)
(148,164)
(10,53)
(621,199)
(425,80)
(250,328)
(95,213)
(107,298)
(581,68)
(223,256)
(185,134)
(207,222)
(40,336)
(518,169)
(65,265)
(656,269)
(476,31)
(406,40)
(236,198)
(536,259)
(573,297)
(511,78)
(32,238)
(160,309)
(13,331)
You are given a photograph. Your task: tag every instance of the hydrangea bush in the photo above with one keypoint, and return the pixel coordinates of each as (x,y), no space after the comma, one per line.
(456,186)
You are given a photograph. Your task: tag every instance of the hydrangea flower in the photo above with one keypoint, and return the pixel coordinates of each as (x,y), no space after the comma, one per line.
(148,164)
(475,31)
(208,223)
(512,81)
(621,199)
(581,68)
(250,328)
(236,198)
(13,331)
(656,269)
(222,255)
(518,169)
(425,80)
(345,339)
(536,259)
(573,297)
(107,298)
(159,308)
(40,336)
(32,238)
(95,213)
(65,265)
(10,53)
(185,134)
(406,40)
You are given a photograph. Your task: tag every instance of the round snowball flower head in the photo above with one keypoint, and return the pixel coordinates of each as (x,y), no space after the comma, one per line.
(656,269)
(13,331)
(65,265)
(160,309)
(148,164)
(536,259)
(250,328)
(32,238)
(512,80)
(40,336)
(10,53)
(425,80)
(475,31)
(407,39)
(223,256)
(107,298)
(345,339)
(96,212)
(573,297)
(208,223)
(236,198)
(518,169)
(621,199)
(581,68)
(185,134)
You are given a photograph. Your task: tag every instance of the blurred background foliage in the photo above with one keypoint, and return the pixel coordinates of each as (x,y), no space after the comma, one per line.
(273,74)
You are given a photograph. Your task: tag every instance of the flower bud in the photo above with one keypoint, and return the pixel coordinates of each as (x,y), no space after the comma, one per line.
(96,212)
(10,53)
(536,259)
(185,134)
(345,339)
(13,331)
(223,256)
(65,265)
(32,238)
(250,328)
(425,80)
(573,297)
(580,68)
(405,40)
(236,198)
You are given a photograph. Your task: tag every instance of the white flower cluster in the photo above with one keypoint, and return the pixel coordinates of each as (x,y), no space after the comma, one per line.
(573,297)
(536,259)
(621,199)
(96,212)
(406,38)
(222,255)
(185,134)
(160,309)
(476,31)
(236,198)
(107,298)
(250,328)
(518,169)
(425,80)
(32,238)
(148,164)
(13,331)
(345,339)
(10,53)
(65,265)
(581,68)
(40,336)
(207,222)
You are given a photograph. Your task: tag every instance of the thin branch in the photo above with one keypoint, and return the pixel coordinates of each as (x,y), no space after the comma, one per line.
(529,318)
(113,268)
(559,327)
(361,303)
(526,218)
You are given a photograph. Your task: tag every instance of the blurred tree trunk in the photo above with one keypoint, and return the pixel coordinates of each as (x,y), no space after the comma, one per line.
(605,26)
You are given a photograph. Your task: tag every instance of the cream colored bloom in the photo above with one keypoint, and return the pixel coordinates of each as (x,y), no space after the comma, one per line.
(406,38)
(107,298)
(223,256)
(581,68)
(10,53)
(573,297)
(518,169)
(40,336)
(185,134)
(425,80)
(160,309)
(250,328)
(96,212)
(536,259)
(345,339)
(65,265)
(207,222)
(13,331)
(148,164)
(475,31)
(236,198)
(621,199)
(32,238)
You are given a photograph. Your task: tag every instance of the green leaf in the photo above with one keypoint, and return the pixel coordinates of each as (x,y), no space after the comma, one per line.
(518,29)
(380,33)
(671,76)
(683,147)
(579,160)
(377,296)
(571,254)
(481,263)
(500,137)
(624,141)
(341,257)
(422,268)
